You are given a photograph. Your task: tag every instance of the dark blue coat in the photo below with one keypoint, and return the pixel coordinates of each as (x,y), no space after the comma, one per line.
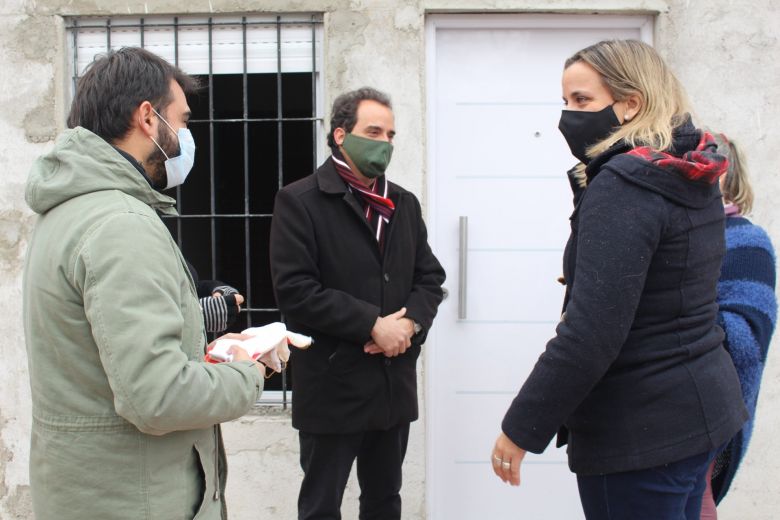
(637,372)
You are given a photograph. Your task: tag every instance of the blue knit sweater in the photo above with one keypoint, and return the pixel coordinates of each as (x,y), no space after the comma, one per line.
(748,312)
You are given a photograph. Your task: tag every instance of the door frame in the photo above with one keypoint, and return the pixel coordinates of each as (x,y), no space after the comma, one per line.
(434,22)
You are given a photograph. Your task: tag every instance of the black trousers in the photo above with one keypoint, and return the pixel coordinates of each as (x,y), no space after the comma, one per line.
(327,461)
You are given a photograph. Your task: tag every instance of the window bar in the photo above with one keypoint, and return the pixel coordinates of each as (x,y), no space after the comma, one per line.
(247,270)
(75,55)
(142,33)
(252,119)
(211,156)
(178,188)
(108,35)
(196,24)
(226,215)
(280,148)
(314,92)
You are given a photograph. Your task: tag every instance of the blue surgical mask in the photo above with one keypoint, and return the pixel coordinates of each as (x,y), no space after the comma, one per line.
(177,168)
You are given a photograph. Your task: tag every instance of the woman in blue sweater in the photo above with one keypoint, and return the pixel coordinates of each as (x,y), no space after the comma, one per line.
(747,311)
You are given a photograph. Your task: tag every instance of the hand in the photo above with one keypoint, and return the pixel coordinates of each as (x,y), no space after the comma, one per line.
(391,334)
(238,353)
(237,296)
(408,323)
(372,348)
(506,459)
(231,335)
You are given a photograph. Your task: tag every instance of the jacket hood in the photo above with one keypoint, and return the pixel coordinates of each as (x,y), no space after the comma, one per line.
(685,174)
(81,162)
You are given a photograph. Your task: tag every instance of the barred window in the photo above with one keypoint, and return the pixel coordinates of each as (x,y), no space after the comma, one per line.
(257,124)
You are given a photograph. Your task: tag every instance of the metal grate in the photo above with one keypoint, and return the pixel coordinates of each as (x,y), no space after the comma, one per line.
(258,112)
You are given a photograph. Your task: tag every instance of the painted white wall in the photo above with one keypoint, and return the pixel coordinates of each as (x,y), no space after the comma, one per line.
(724,52)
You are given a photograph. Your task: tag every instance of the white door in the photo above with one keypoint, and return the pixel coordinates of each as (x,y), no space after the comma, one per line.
(497,158)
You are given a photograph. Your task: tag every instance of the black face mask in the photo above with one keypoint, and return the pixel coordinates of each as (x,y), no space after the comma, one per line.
(584,129)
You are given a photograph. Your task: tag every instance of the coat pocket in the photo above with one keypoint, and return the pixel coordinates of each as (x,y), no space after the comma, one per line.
(344,358)
(203,470)
(352,377)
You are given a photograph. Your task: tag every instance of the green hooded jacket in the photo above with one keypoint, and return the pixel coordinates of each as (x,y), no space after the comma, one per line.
(125,413)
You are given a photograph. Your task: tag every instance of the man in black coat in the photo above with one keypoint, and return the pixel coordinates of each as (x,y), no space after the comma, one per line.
(352,267)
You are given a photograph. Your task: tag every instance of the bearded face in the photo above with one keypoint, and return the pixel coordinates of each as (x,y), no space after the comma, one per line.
(155,163)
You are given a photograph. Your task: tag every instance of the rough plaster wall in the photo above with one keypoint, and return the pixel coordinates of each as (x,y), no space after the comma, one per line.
(726,56)
(386,51)
(27,126)
(377,42)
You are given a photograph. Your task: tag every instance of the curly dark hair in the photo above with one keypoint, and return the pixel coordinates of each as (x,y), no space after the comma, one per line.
(344,112)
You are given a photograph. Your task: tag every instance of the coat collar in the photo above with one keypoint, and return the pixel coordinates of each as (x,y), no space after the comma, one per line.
(328,179)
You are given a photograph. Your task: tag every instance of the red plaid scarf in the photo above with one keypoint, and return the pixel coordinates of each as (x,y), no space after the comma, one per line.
(377,206)
(704,163)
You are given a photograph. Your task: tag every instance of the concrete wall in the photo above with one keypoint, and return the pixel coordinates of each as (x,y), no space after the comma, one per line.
(724,52)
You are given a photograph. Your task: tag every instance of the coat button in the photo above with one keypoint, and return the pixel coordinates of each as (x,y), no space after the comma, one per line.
(387,278)
(388,362)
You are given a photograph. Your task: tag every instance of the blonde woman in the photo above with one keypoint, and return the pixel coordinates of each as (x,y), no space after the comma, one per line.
(636,375)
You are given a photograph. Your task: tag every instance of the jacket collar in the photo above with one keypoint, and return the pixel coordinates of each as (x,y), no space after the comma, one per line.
(666,181)
(81,162)
(136,164)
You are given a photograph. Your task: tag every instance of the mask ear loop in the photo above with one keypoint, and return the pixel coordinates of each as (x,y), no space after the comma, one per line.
(160,147)
(625,118)
(171,129)
(266,373)
(154,140)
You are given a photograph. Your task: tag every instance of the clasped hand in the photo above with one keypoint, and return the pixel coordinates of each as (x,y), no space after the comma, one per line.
(391,335)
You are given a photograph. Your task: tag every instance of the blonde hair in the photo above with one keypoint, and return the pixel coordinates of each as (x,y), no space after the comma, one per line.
(736,186)
(631,67)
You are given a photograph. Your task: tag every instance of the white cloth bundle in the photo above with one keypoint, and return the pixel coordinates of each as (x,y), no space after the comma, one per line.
(268,344)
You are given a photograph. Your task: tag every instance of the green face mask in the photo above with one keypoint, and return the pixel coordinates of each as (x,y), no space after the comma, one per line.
(370,156)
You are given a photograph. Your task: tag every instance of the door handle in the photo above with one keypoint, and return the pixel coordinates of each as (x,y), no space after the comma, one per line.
(463,245)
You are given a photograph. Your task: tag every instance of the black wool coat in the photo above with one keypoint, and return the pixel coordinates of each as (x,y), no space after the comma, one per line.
(637,371)
(332,282)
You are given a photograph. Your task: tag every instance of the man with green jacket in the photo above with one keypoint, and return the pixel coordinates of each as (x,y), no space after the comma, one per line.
(125,413)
